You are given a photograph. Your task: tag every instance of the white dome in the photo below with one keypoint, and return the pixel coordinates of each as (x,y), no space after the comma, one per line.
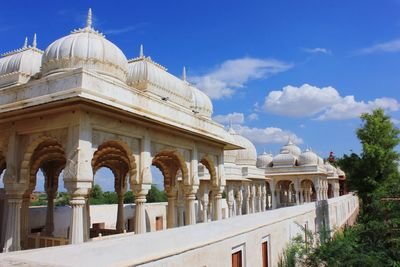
(284,159)
(292,148)
(201,103)
(308,158)
(264,160)
(25,61)
(340,172)
(320,161)
(329,168)
(230,155)
(88,49)
(246,156)
(145,74)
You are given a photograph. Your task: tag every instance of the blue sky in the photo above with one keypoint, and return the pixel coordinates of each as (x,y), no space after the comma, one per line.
(304,69)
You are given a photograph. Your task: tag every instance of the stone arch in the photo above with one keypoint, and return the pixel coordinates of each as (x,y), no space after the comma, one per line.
(209,164)
(169,162)
(116,156)
(25,174)
(308,184)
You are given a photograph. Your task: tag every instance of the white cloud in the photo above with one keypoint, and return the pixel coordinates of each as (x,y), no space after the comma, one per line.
(233,74)
(321,103)
(349,108)
(268,135)
(317,50)
(234,118)
(391,46)
(253,117)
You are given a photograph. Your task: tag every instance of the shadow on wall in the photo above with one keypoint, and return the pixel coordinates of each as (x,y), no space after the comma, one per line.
(322,220)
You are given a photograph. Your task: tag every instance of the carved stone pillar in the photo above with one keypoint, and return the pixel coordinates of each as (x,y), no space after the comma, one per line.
(13,230)
(297,190)
(120,226)
(301,196)
(190,198)
(205,203)
(25,220)
(140,211)
(76,233)
(238,198)
(258,198)
(229,199)
(263,197)
(49,226)
(272,187)
(246,199)
(217,209)
(252,198)
(171,195)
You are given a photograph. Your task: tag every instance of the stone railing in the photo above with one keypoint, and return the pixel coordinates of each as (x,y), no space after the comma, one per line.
(257,237)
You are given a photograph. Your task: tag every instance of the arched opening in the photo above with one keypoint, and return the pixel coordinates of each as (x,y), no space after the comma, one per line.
(286,194)
(268,204)
(307,191)
(46,163)
(209,185)
(112,166)
(330,190)
(174,172)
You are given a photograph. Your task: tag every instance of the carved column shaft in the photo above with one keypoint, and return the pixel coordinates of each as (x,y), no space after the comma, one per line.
(76,233)
(13,231)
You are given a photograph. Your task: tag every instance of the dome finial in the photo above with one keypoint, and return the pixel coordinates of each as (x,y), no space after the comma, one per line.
(25,43)
(141,53)
(34,42)
(89,19)
(184,74)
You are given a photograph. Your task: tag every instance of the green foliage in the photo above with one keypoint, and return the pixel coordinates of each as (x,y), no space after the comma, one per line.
(62,199)
(297,251)
(375,239)
(129,197)
(155,195)
(42,201)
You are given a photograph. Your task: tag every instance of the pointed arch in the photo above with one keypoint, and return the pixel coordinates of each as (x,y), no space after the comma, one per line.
(118,157)
(209,164)
(169,162)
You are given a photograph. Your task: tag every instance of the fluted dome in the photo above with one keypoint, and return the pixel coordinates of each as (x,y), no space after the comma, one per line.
(230,155)
(264,160)
(292,148)
(284,159)
(246,156)
(145,74)
(201,103)
(308,158)
(340,172)
(25,61)
(320,161)
(329,168)
(88,49)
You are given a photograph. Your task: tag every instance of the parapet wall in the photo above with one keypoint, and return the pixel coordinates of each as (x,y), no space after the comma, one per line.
(204,244)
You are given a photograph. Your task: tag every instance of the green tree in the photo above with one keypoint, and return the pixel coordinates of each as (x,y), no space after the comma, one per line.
(375,239)
(155,195)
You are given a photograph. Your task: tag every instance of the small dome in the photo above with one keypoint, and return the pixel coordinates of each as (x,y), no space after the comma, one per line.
(201,103)
(292,148)
(308,158)
(340,172)
(264,160)
(230,155)
(320,161)
(329,168)
(88,49)
(246,156)
(26,61)
(145,74)
(284,159)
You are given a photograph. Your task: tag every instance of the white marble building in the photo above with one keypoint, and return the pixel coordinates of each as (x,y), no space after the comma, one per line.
(80,105)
